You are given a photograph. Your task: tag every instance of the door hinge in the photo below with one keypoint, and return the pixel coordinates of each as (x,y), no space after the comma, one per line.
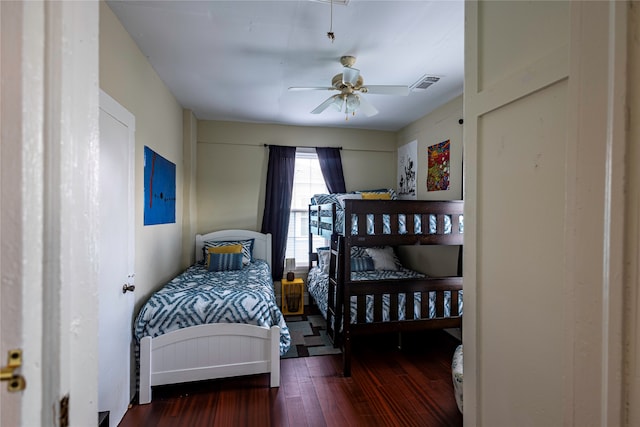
(64,411)
(16,381)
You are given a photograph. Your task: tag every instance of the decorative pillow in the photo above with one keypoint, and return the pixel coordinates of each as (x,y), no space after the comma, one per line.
(247,247)
(362,263)
(229,249)
(225,261)
(383,258)
(390,191)
(376,196)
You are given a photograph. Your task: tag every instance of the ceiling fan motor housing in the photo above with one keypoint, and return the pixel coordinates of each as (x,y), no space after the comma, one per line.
(337,82)
(348,61)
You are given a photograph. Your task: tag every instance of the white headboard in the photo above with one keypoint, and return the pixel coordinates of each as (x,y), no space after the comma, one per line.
(261,244)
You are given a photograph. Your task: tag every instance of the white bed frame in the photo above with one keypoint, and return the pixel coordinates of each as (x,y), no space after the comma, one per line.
(217,350)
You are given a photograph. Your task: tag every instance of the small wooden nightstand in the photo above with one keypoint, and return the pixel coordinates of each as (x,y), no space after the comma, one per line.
(292,296)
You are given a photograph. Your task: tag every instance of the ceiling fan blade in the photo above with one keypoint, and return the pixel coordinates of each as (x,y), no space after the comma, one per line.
(387,90)
(320,108)
(366,108)
(350,75)
(297,89)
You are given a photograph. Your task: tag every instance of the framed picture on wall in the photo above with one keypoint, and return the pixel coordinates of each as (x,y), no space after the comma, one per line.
(159,189)
(439,166)
(407,171)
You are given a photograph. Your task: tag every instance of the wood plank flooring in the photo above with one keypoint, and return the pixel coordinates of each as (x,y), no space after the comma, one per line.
(388,387)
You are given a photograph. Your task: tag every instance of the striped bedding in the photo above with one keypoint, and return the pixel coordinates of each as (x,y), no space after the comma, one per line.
(318,285)
(198,296)
(320,199)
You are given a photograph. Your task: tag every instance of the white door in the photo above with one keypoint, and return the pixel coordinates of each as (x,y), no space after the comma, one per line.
(116,258)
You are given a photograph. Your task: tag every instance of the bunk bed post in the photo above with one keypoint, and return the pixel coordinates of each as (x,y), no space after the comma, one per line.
(310,238)
(335,302)
(343,301)
(331,298)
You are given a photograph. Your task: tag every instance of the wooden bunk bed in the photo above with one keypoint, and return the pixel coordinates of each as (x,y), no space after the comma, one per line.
(384,305)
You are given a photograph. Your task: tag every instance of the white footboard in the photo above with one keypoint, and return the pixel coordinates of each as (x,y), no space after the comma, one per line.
(203,352)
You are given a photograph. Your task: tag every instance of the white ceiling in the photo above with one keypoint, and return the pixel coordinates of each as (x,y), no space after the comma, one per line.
(235,60)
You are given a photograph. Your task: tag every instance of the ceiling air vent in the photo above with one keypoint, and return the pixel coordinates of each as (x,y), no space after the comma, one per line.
(424,82)
(340,2)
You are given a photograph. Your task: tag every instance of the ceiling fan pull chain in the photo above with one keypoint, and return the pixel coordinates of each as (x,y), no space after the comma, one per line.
(330,34)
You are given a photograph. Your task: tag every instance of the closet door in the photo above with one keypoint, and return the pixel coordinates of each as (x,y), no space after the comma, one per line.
(116,258)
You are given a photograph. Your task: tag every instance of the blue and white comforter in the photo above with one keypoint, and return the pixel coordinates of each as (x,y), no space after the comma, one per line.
(198,296)
(318,287)
(320,199)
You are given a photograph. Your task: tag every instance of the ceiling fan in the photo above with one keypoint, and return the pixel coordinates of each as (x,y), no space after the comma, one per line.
(351,85)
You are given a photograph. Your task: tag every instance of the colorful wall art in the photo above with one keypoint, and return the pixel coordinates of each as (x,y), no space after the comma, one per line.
(407,170)
(159,189)
(438,166)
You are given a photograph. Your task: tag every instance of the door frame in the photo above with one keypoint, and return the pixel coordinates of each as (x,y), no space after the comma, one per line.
(56,118)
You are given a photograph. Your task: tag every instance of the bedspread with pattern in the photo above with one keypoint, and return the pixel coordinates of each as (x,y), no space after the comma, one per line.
(198,296)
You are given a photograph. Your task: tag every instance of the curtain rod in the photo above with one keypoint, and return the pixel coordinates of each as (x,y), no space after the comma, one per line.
(305,146)
(343,149)
(301,146)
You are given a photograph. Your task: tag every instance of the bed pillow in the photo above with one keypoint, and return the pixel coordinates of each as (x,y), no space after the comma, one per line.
(323,199)
(323,259)
(343,197)
(358,251)
(362,263)
(227,249)
(383,258)
(247,248)
(225,261)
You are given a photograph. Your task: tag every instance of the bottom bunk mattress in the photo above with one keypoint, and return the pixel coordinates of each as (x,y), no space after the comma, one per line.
(318,288)
(198,296)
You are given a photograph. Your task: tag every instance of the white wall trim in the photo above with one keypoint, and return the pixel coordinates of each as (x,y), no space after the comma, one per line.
(614,232)
(71,200)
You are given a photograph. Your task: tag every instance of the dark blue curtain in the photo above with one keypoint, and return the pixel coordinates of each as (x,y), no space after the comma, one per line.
(277,204)
(331,166)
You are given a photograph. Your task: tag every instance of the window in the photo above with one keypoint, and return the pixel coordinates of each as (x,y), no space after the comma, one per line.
(307,181)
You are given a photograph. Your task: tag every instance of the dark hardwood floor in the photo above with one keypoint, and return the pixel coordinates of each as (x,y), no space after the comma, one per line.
(388,387)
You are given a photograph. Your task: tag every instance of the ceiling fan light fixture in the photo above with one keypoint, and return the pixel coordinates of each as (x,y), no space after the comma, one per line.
(351,84)
(352,103)
(338,102)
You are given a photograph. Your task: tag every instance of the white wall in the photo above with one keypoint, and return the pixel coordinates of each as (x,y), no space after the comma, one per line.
(127,76)
(436,127)
(232,166)
(440,125)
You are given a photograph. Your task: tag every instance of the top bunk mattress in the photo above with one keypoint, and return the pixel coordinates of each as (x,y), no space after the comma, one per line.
(338,199)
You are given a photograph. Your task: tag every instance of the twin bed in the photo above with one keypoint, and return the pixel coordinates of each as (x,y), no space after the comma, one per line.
(358,282)
(214,321)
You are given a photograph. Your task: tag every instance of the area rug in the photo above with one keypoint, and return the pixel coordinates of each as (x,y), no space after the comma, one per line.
(308,336)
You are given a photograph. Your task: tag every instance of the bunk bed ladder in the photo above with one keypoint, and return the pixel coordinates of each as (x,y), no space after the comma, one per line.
(334,298)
